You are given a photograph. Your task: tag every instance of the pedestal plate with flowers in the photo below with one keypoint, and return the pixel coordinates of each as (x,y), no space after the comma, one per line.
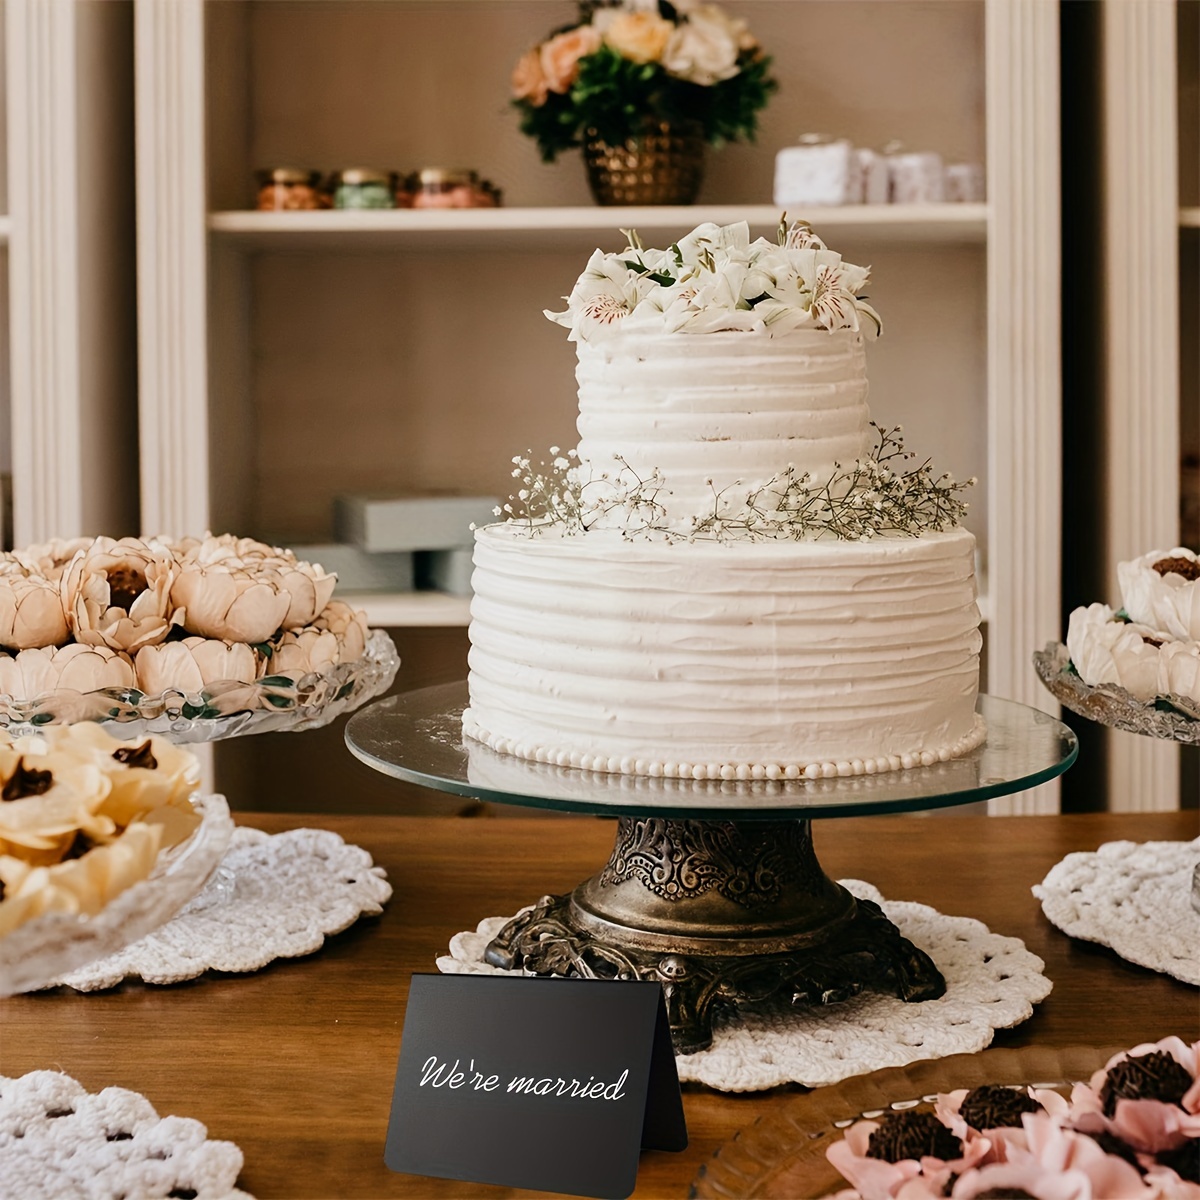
(157,641)
(642,86)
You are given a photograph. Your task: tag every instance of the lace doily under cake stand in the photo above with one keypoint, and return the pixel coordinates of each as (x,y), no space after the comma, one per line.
(1134,898)
(273,896)
(57,1139)
(992,982)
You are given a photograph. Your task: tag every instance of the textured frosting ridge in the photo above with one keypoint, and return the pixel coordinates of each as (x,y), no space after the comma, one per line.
(843,657)
(722,407)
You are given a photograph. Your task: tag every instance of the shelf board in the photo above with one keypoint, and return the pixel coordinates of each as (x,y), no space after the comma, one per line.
(570,228)
(1189,218)
(397,610)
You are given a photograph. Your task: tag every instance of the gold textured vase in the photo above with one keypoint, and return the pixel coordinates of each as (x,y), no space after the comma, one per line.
(662,165)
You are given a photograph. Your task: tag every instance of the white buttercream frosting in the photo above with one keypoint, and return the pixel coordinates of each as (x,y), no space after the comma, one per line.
(724,407)
(709,660)
(723,412)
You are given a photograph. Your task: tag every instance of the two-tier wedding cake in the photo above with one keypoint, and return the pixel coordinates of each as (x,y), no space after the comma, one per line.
(735,575)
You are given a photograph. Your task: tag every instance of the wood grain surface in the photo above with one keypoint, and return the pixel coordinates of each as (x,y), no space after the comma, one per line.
(295,1063)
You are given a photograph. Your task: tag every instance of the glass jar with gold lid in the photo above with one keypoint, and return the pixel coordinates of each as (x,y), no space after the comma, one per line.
(289,189)
(439,188)
(363,187)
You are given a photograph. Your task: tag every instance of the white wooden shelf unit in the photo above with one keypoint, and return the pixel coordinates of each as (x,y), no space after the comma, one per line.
(1142,72)
(67,368)
(281,364)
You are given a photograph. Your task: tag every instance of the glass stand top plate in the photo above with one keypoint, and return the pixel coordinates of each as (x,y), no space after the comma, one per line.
(418,737)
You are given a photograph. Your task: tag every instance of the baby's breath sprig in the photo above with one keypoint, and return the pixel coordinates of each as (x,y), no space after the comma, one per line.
(880,494)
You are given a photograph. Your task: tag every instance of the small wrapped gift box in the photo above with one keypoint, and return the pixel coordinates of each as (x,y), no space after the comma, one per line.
(873,167)
(818,172)
(964,183)
(916,178)
(388,524)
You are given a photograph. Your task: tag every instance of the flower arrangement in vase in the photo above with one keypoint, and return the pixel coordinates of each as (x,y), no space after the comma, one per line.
(642,86)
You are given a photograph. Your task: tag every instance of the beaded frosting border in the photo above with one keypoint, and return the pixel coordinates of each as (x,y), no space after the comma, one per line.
(591,760)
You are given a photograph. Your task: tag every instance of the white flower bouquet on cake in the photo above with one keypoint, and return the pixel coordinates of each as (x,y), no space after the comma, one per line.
(196,637)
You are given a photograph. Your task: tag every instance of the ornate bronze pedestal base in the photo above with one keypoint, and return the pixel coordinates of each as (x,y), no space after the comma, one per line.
(718,912)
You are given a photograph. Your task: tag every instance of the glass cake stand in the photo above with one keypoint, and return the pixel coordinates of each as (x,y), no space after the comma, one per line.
(713,887)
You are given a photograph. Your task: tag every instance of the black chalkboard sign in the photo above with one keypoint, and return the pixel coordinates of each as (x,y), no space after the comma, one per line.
(552,1084)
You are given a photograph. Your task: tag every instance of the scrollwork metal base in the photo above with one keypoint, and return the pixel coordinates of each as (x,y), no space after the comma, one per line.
(718,912)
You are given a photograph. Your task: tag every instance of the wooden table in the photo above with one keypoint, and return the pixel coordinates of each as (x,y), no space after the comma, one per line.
(295,1063)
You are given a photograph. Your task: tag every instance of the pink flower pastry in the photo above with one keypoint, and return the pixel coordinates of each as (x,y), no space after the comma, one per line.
(1132,1132)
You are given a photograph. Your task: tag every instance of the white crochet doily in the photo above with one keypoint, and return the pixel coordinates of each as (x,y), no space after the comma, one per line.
(61,1142)
(273,896)
(992,982)
(1135,898)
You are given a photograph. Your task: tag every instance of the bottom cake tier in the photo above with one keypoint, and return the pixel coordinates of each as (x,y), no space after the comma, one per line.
(728,660)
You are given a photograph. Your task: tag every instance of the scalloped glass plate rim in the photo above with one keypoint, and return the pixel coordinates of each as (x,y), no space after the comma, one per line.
(35,954)
(1109,704)
(282,701)
(785,1148)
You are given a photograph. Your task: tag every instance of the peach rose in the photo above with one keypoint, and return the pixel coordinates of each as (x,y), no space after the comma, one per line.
(528,78)
(560,56)
(639,36)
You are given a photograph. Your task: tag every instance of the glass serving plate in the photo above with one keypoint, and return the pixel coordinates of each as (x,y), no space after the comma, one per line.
(40,951)
(222,710)
(417,736)
(1174,718)
(783,1153)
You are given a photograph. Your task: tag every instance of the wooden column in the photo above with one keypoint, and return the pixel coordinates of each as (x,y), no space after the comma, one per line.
(1141,401)
(1024,356)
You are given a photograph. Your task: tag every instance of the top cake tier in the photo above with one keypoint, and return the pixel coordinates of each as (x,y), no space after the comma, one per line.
(714,411)
(719,363)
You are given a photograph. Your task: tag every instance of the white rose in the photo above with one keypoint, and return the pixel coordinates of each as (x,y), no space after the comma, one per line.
(703,49)
(51,558)
(168,667)
(1108,651)
(220,661)
(1179,670)
(310,590)
(235,604)
(31,613)
(118,594)
(77,667)
(349,625)
(1162,589)
(300,652)
(231,551)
